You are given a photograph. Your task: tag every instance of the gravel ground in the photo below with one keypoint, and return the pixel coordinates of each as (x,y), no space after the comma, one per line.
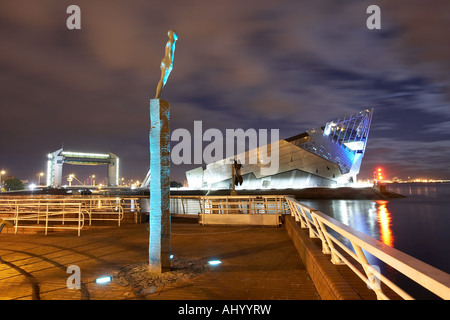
(137,276)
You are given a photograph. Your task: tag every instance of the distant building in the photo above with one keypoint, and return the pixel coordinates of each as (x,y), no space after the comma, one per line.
(324,156)
(57,158)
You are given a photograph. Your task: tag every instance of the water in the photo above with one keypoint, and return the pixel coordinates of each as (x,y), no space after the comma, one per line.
(416,225)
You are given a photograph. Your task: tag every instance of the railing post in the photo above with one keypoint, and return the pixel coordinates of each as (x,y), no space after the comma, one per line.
(298,212)
(38,210)
(294,208)
(120,209)
(46,219)
(226,204)
(16,216)
(64,213)
(182,205)
(80,214)
(283,203)
(280,203)
(291,209)
(327,245)
(266,206)
(304,222)
(308,222)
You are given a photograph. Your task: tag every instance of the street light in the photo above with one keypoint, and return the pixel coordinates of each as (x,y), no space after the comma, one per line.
(1,180)
(69,179)
(39,178)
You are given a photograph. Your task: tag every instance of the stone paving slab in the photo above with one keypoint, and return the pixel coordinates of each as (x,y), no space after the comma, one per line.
(258,263)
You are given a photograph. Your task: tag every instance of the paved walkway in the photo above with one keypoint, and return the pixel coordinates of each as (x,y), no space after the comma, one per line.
(257,263)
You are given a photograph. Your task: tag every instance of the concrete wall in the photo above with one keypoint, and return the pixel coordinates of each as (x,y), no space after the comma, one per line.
(329,282)
(240,219)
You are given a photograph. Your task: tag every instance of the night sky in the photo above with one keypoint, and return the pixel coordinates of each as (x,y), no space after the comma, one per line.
(290,65)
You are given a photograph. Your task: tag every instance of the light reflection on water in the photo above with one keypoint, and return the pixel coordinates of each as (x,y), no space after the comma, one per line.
(384,220)
(370,217)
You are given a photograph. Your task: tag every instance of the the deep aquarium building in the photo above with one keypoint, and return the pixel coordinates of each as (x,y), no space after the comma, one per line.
(330,155)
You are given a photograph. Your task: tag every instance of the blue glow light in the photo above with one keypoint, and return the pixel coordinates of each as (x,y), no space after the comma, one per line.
(171,256)
(214,262)
(105,279)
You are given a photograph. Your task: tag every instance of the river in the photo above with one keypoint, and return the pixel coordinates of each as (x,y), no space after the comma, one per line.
(417,225)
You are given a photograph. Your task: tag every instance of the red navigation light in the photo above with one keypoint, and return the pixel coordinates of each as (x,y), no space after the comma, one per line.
(379,174)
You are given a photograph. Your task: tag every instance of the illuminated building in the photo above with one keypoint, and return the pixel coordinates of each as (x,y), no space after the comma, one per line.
(324,156)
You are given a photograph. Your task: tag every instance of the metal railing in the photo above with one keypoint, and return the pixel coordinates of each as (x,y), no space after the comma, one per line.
(93,208)
(37,215)
(102,209)
(243,205)
(228,204)
(185,205)
(322,226)
(130,204)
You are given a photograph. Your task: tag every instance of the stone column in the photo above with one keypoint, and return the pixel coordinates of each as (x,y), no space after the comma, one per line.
(159,215)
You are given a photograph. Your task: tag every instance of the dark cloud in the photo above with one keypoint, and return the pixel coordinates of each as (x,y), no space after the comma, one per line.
(287,65)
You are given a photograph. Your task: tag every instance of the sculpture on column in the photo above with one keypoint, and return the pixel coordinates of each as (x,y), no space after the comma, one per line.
(167,62)
(159,172)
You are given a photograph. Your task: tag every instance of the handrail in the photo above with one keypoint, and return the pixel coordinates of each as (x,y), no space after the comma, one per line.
(36,209)
(429,277)
(231,204)
(95,208)
(46,212)
(93,205)
(264,204)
